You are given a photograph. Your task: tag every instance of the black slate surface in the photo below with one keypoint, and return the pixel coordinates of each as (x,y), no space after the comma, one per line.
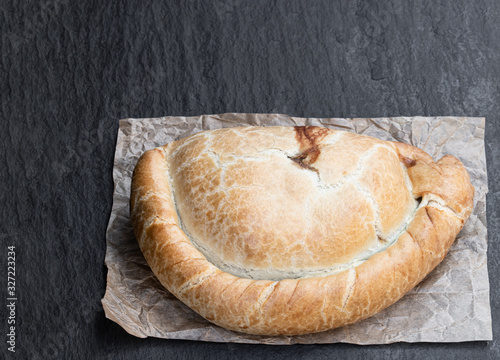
(69,70)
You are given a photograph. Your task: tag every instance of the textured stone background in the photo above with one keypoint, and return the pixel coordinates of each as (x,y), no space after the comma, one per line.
(70,70)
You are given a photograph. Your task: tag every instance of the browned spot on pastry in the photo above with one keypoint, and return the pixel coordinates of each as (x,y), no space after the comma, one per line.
(308,137)
(407,161)
(306,158)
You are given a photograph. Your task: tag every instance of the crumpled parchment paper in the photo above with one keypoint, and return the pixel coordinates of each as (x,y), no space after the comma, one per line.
(450,305)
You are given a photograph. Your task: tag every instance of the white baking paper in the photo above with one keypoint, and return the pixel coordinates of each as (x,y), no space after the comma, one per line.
(450,305)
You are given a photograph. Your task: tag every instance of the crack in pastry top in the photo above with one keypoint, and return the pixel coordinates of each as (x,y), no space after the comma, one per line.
(232,193)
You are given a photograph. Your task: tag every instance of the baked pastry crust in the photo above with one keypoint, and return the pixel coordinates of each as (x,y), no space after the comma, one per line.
(287,231)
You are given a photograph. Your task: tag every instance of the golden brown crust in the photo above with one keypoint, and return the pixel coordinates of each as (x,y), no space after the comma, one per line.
(309,303)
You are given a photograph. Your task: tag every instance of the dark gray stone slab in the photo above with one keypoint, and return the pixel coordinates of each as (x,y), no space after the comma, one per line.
(70,70)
